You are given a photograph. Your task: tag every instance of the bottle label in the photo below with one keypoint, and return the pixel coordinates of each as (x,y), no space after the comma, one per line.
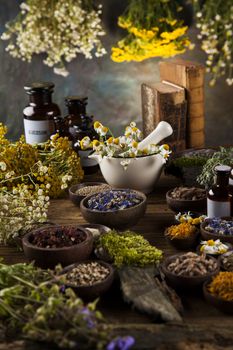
(218,209)
(38,131)
(85,161)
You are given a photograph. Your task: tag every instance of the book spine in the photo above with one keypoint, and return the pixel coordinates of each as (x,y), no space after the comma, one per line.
(190,76)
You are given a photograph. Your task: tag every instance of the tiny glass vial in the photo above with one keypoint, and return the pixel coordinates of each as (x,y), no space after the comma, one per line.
(39,114)
(218,196)
(79,125)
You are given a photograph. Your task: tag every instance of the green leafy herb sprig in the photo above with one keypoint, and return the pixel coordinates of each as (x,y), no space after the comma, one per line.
(222,157)
(129,248)
(32,307)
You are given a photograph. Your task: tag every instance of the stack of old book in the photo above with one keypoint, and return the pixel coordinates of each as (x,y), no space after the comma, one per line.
(179,100)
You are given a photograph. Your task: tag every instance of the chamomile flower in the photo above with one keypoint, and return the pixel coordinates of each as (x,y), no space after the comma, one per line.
(85,143)
(2,166)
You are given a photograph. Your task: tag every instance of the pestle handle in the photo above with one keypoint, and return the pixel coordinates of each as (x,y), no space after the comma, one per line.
(162,130)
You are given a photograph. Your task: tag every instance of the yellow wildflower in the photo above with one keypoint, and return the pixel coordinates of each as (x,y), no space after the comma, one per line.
(222,286)
(85,143)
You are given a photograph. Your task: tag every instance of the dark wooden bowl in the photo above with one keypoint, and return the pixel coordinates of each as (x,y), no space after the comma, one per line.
(50,257)
(221,257)
(206,235)
(182,205)
(185,282)
(184,243)
(215,255)
(119,219)
(220,304)
(95,290)
(74,197)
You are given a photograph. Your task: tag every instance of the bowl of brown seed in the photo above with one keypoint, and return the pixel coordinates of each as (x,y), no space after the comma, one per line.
(79,191)
(189,270)
(181,199)
(89,279)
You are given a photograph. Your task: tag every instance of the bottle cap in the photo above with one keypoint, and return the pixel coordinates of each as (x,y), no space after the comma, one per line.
(78,100)
(222,169)
(39,86)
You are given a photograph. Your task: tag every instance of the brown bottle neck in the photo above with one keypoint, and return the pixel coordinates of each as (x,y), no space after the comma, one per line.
(40,99)
(76,110)
(222,180)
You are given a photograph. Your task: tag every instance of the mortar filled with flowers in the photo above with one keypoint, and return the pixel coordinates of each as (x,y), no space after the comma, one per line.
(128,161)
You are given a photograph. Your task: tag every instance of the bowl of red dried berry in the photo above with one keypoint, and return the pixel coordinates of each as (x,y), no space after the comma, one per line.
(60,244)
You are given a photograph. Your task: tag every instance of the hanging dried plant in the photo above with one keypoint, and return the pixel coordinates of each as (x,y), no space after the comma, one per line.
(154,30)
(58,28)
(215,22)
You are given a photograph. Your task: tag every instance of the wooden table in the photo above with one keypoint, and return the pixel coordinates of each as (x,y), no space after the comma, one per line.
(203,326)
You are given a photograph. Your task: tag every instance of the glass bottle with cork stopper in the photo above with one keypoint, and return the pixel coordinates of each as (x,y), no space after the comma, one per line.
(40,113)
(218,196)
(79,125)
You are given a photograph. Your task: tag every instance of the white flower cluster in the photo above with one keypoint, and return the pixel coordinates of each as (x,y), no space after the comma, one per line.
(61,29)
(65,181)
(215,22)
(19,208)
(125,146)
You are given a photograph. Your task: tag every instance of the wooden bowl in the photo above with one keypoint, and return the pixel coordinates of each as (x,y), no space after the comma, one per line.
(95,290)
(50,257)
(185,282)
(119,219)
(221,257)
(76,198)
(230,248)
(207,235)
(184,243)
(219,303)
(182,205)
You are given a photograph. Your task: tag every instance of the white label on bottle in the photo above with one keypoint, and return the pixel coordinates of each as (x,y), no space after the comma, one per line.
(218,209)
(38,131)
(85,161)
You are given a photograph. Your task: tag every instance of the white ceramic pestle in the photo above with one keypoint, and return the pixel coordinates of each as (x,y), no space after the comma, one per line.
(162,130)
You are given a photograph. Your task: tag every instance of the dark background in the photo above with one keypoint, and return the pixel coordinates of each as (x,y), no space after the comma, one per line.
(113,88)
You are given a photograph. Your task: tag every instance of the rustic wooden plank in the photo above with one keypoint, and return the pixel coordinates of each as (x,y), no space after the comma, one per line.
(159,337)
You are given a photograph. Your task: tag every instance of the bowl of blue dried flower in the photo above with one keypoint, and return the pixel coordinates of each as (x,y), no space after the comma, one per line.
(116,208)
(218,228)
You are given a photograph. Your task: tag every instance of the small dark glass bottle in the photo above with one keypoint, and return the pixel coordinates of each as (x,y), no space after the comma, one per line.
(39,123)
(79,125)
(231,190)
(218,197)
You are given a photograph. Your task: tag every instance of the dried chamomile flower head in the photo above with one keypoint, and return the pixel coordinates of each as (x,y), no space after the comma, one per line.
(125,146)
(61,29)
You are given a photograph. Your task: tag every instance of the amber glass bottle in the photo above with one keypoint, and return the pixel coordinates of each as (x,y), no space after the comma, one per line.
(218,197)
(39,115)
(80,125)
(231,190)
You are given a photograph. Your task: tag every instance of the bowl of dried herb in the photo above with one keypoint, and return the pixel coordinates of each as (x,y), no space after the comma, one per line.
(60,244)
(219,292)
(89,279)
